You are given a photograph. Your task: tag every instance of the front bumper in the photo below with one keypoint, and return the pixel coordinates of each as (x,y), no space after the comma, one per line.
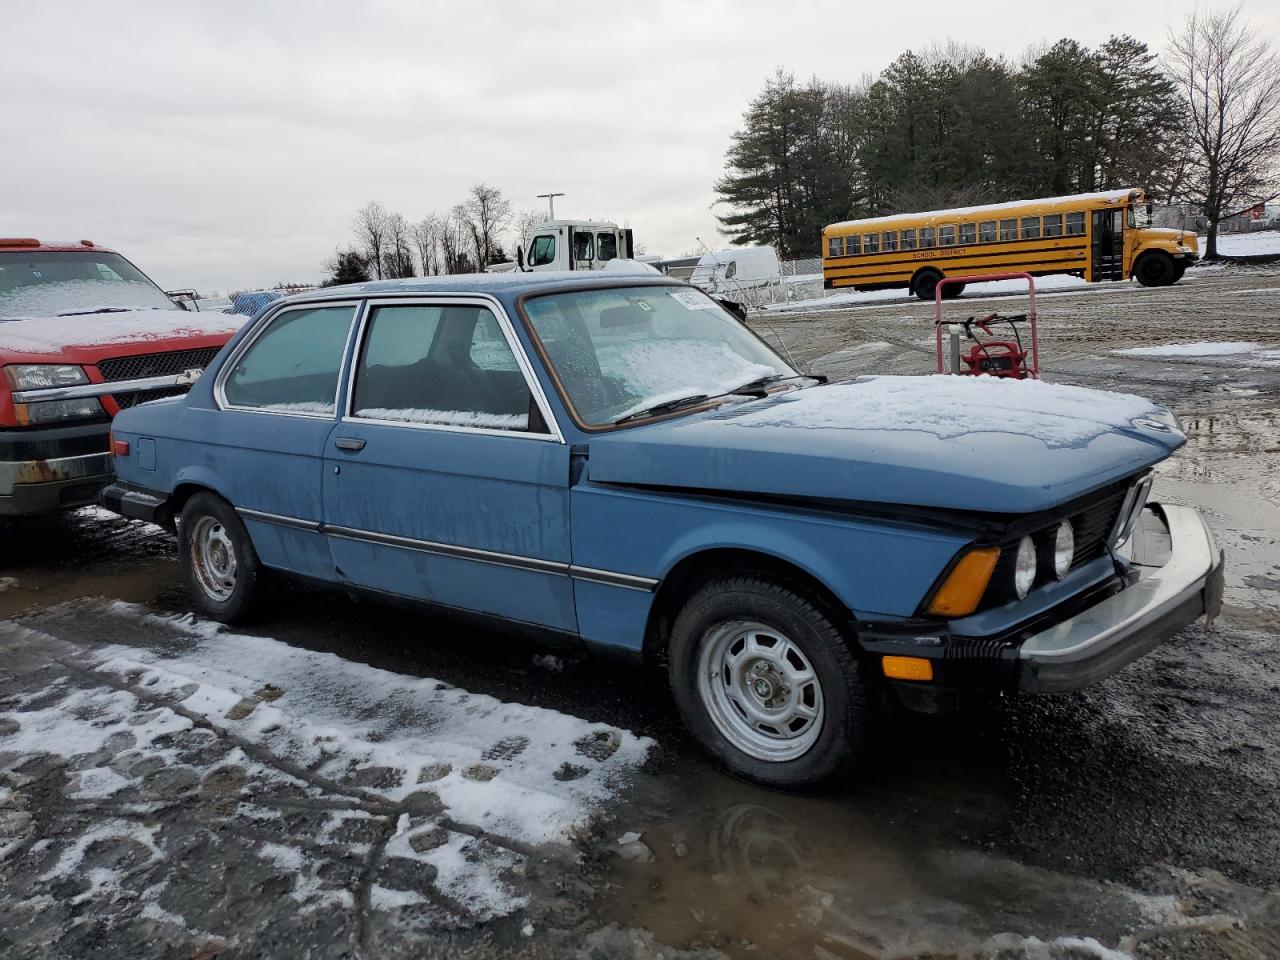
(1175,577)
(1097,642)
(47,470)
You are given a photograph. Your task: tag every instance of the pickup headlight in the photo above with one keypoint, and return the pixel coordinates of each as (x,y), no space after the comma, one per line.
(36,376)
(51,411)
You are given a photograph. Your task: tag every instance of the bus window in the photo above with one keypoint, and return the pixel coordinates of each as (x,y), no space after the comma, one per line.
(1075,224)
(947,235)
(1030,228)
(890,242)
(852,245)
(967,232)
(834,245)
(1008,229)
(871,243)
(1053,225)
(926,238)
(987,231)
(908,239)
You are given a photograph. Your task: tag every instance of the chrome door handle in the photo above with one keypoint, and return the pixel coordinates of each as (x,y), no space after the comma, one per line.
(349,443)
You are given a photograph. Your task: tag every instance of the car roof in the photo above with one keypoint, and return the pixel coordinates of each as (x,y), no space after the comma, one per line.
(29,244)
(497,284)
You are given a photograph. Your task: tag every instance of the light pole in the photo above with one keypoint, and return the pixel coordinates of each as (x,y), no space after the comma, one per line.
(551,203)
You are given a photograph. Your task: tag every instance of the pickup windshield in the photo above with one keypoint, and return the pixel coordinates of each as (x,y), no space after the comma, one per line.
(44,283)
(628,350)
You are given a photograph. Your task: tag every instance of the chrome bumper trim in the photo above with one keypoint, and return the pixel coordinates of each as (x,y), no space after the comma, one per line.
(18,473)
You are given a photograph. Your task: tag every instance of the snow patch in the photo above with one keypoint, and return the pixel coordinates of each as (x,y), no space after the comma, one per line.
(1246,351)
(455,418)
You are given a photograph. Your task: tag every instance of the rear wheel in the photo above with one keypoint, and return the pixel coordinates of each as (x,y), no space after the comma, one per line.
(218,560)
(768,685)
(1155,269)
(925,283)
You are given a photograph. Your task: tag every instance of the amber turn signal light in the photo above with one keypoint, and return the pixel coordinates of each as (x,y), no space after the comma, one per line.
(119,448)
(960,592)
(907,668)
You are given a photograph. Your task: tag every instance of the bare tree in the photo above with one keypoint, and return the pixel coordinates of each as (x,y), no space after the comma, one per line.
(397,258)
(488,213)
(370,227)
(522,227)
(426,237)
(455,237)
(1229,75)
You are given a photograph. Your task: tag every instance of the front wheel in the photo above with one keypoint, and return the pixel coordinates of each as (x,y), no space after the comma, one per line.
(217,557)
(1155,269)
(768,685)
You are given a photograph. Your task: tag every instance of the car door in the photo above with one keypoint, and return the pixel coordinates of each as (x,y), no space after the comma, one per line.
(263,448)
(446,479)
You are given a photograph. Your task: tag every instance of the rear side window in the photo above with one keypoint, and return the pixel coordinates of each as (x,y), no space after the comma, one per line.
(871,243)
(1030,228)
(835,246)
(947,236)
(292,366)
(1053,225)
(1008,229)
(890,241)
(607,244)
(440,365)
(852,245)
(967,233)
(908,239)
(926,238)
(1075,224)
(987,231)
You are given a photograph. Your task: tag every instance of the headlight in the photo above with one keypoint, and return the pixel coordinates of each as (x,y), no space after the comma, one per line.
(50,411)
(35,376)
(1024,569)
(1064,549)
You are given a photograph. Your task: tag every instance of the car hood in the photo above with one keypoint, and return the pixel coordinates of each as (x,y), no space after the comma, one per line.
(969,443)
(87,338)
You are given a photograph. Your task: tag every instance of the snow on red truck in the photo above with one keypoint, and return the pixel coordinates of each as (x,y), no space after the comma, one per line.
(83,334)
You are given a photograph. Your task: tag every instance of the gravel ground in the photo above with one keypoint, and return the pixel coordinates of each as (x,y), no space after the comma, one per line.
(204,814)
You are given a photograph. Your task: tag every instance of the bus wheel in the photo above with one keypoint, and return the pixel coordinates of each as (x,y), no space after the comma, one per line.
(952,290)
(1155,269)
(925,283)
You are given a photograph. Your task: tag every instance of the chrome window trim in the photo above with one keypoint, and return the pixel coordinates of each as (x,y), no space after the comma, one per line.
(425,299)
(264,322)
(612,578)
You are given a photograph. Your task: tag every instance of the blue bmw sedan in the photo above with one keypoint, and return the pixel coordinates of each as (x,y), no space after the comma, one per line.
(619,460)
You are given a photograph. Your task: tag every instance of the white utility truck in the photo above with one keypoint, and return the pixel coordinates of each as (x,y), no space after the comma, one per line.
(575,245)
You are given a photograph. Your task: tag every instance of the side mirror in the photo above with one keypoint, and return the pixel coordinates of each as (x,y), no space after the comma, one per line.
(520,258)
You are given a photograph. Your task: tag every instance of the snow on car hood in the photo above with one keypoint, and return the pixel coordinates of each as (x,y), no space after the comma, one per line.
(83,337)
(955,442)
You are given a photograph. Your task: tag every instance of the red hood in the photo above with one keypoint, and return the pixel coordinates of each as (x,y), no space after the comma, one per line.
(88,338)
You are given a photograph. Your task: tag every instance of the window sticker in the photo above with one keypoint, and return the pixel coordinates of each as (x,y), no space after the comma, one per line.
(693,301)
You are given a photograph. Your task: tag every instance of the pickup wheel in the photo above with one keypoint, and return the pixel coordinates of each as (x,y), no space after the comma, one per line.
(768,685)
(217,557)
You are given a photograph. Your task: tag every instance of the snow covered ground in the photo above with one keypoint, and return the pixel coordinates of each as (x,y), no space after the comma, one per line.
(1257,243)
(1235,353)
(855,298)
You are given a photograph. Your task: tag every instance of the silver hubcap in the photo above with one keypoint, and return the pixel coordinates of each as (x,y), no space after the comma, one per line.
(213,559)
(760,690)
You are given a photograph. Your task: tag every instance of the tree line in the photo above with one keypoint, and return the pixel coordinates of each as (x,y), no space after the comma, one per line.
(470,237)
(954,126)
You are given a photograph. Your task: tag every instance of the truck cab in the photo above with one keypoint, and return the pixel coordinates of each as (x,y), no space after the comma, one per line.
(575,245)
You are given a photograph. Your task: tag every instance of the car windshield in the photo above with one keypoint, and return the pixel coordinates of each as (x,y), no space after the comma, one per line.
(42,283)
(624,350)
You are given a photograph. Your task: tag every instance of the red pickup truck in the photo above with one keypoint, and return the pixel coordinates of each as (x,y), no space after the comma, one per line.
(83,334)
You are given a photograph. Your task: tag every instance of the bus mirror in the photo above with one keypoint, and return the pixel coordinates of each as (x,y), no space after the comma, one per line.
(1151,212)
(520,257)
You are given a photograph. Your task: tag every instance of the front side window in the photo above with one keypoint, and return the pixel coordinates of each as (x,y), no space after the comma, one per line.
(292,366)
(967,233)
(987,231)
(890,241)
(908,240)
(543,250)
(1075,224)
(947,236)
(447,365)
(871,243)
(1008,229)
(621,351)
(607,244)
(1030,228)
(1053,225)
(926,238)
(731,270)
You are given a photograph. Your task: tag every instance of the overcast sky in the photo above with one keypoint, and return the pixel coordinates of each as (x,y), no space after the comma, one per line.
(227,144)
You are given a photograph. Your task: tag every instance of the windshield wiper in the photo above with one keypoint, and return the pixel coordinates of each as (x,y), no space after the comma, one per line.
(81,313)
(757,387)
(667,406)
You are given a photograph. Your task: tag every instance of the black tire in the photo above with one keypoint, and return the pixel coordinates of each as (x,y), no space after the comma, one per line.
(208,515)
(1155,269)
(850,710)
(952,290)
(1179,268)
(925,283)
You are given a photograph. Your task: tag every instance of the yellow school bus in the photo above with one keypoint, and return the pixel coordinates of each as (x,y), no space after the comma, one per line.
(1097,236)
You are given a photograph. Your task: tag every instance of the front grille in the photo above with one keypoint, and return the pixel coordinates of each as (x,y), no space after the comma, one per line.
(155,364)
(124,400)
(1093,518)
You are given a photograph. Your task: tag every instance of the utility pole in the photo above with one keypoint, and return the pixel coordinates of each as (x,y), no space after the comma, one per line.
(551,203)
